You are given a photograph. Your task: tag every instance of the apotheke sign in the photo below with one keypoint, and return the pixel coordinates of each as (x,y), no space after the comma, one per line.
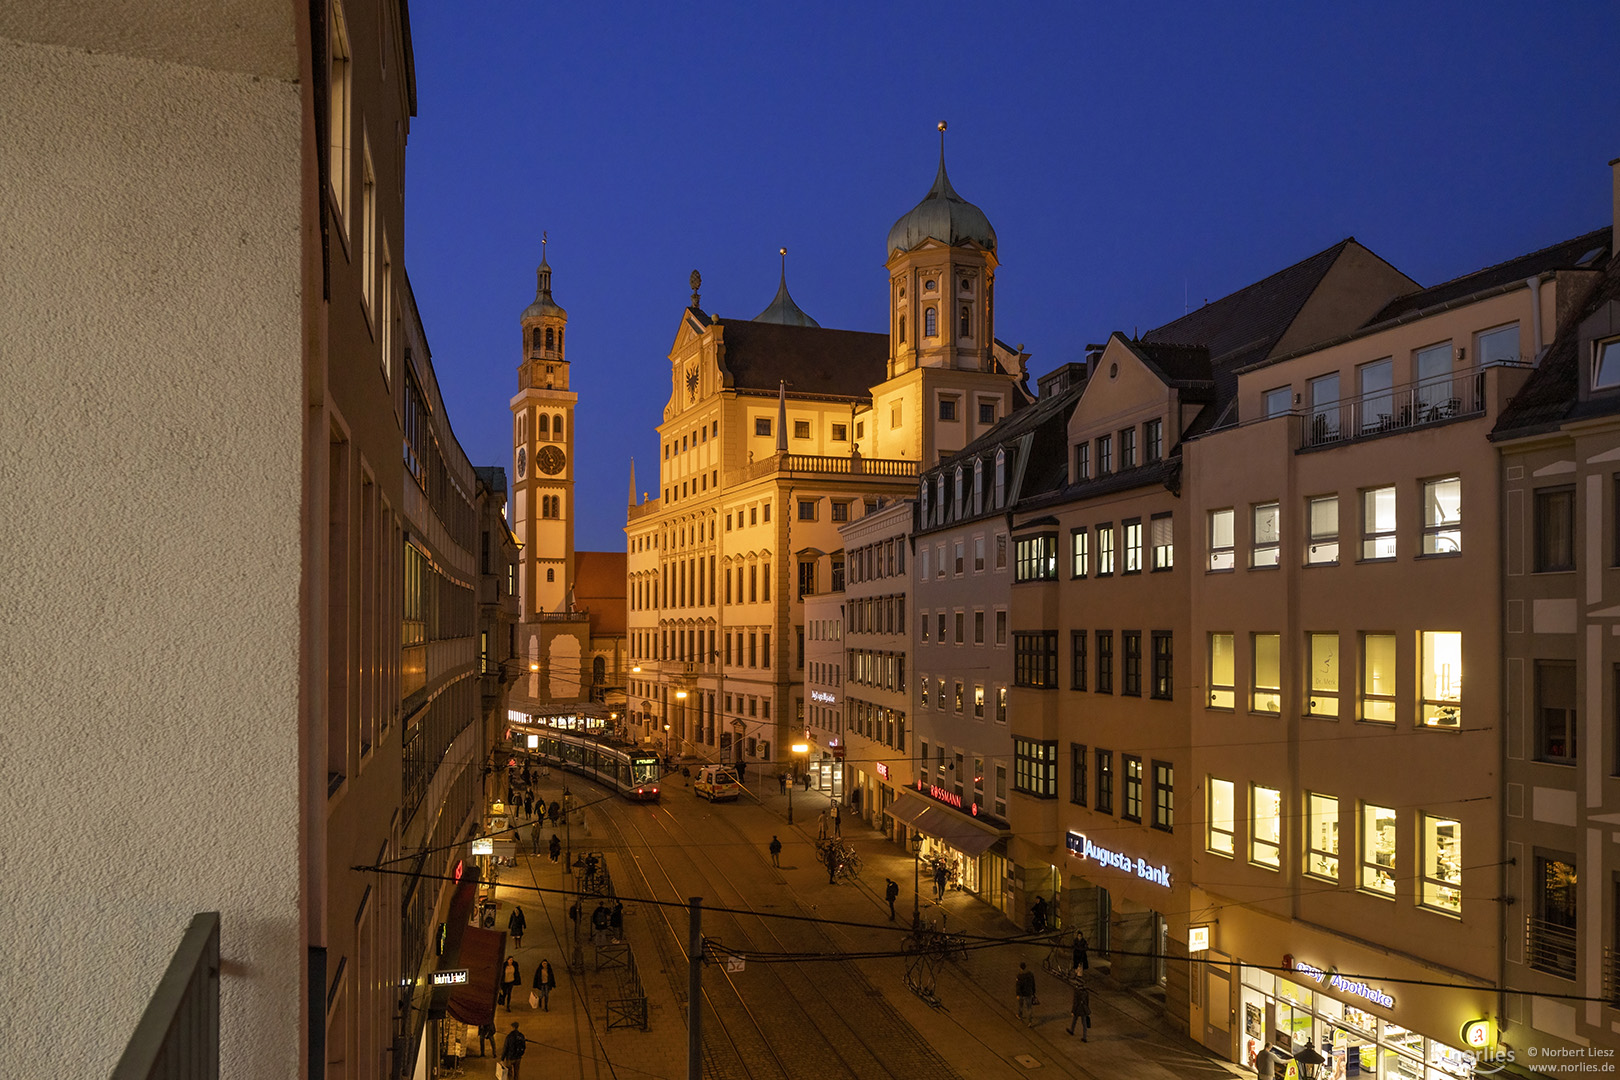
(1083,848)
(1338,982)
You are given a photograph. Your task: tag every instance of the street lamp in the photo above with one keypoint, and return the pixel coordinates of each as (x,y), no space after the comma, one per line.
(797,748)
(916,862)
(1311,1060)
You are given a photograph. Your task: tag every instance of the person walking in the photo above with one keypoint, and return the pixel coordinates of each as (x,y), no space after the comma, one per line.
(890,891)
(599,923)
(1024,986)
(1037,914)
(821,825)
(528,804)
(545,981)
(486,1033)
(1080,1007)
(616,920)
(511,975)
(515,924)
(781,778)
(776,852)
(807,780)
(556,846)
(838,820)
(534,839)
(512,1052)
(941,875)
(832,864)
(1082,962)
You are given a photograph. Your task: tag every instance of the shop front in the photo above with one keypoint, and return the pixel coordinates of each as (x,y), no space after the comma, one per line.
(957,843)
(1120,898)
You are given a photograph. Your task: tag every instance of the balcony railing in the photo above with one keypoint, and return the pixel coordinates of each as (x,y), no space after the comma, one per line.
(1399,408)
(178,1036)
(1549,947)
(1611,977)
(851,465)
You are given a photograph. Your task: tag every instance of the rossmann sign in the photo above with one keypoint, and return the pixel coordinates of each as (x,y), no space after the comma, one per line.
(1081,847)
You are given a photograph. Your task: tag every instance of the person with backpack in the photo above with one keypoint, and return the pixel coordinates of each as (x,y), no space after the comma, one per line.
(512,1052)
(890,891)
(776,852)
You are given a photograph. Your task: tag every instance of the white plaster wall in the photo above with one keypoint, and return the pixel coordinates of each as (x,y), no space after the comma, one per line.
(150,420)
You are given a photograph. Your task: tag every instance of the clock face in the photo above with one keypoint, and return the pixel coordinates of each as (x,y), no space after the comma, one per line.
(692,384)
(522,460)
(550,460)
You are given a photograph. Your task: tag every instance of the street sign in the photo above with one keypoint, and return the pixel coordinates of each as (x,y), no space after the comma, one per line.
(735,964)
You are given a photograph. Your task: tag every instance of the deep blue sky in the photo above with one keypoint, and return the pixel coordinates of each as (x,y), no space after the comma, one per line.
(1131,157)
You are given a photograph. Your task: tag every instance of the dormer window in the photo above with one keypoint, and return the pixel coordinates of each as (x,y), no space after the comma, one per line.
(939,494)
(1001,477)
(978,485)
(1606,365)
(958,486)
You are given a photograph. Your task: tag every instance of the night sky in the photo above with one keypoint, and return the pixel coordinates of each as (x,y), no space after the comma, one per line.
(1133,158)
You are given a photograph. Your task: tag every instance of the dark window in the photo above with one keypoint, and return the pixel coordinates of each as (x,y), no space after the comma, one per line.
(1164,796)
(1035,659)
(965,329)
(1035,767)
(947,408)
(1131,807)
(1153,441)
(762,425)
(1163,665)
(1077,774)
(801,429)
(987,412)
(930,322)
(1555,529)
(1105,661)
(1133,663)
(1556,732)
(1105,781)
(1077,667)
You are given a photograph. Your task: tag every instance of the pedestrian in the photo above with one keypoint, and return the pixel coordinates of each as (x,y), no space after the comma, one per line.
(486,1032)
(556,846)
(776,851)
(1024,986)
(890,891)
(616,920)
(599,922)
(511,976)
(554,811)
(512,1052)
(545,981)
(855,801)
(1265,1064)
(528,774)
(539,811)
(807,780)
(832,864)
(515,924)
(1080,1008)
(1082,963)
(534,839)
(821,825)
(838,820)
(940,877)
(1037,914)
(781,778)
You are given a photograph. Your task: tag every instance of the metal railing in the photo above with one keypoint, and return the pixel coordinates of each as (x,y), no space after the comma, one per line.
(1399,408)
(178,1035)
(1549,947)
(1611,976)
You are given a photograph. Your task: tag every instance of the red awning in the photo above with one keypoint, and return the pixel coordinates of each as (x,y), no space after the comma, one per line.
(483,954)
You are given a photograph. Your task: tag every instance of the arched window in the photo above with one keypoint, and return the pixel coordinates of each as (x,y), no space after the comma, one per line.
(556,426)
(978,485)
(925,502)
(559,343)
(966,329)
(939,496)
(958,490)
(930,322)
(551,575)
(902,329)
(541,424)
(598,671)
(537,337)
(548,337)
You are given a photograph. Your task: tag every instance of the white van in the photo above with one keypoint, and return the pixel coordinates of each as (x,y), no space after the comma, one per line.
(716,782)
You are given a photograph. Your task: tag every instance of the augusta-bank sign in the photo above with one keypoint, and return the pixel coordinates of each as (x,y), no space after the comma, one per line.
(1082,848)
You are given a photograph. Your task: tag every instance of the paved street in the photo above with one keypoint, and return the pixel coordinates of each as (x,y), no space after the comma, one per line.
(790,1013)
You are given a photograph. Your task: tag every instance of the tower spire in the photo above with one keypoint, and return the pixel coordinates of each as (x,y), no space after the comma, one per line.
(632,481)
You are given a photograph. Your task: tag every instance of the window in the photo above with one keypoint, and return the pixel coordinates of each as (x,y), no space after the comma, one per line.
(1152,442)
(1322,836)
(1163,665)
(1267,534)
(1036,558)
(1164,796)
(1556,734)
(1555,529)
(807,509)
(1001,551)
(978,554)
(1279,401)
(1035,767)
(941,626)
(840,511)
(1001,479)
(1265,826)
(368,226)
(1222,837)
(1498,346)
(1222,671)
(807,578)
(1077,659)
(957,697)
(1035,659)
(964,326)
(1001,628)
(1434,381)
(959,628)
(1127,448)
(947,408)
(1378,678)
(1322,522)
(338,91)
(987,412)
(1162,539)
(1132,682)
(1442,864)
(1222,545)
(1606,365)
(978,702)
(1077,774)
(1378,523)
(762,425)
(1442,516)
(1377,403)
(1130,807)
(1325,409)
(1133,546)
(1105,661)
(978,628)
(956,555)
(1267,673)
(930,322)
(894,416)
(1082,456)
(925,696)
(801,429)
(1442,678)
(840,433)
(1105,455)
(1105,550)
(1378,849)
(1105,781)
(1324,675)
(1555,926)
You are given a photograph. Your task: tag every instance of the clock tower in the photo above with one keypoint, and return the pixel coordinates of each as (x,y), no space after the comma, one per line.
(543,457)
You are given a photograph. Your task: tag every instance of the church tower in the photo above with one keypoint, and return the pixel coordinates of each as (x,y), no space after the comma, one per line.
(543,457)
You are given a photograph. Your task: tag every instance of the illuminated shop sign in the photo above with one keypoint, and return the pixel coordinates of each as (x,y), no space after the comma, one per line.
(448,978)
(883,770)
(486,846)
(947,796)
(1477,1035)
(1198,939)
(1082,848)
(824,698)
(1338,982)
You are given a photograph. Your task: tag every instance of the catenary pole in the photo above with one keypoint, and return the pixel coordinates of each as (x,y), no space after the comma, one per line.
(694,991)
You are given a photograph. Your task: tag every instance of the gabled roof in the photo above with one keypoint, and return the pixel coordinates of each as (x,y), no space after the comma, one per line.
(811,359)
(1580,251)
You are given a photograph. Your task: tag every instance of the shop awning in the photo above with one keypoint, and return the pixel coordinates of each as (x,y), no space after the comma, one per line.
(483,955)
(958,830)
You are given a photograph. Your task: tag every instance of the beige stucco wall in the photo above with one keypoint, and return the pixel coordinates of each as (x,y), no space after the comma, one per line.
(149,310)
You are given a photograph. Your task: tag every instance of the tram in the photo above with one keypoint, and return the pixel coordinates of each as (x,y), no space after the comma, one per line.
(578,744)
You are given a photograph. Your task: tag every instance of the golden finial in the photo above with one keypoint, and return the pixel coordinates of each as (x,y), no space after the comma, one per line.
(942,125)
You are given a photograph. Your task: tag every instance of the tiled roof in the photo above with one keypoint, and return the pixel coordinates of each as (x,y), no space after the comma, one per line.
(1564,256)
(811,359)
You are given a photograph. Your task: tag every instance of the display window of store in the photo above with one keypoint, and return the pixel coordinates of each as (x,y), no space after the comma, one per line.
(1222,839)
(1378,849)
(1265,826)
(1322,836)
(1222,671)
(1442,668)
(1442,864)
(1323,656)
(1267,656)
(1378,678)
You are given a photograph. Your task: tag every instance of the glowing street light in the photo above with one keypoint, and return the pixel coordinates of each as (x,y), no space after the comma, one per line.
(797,748)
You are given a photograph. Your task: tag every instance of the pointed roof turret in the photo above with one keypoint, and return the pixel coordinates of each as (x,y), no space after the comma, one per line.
(782,309)
(632,481)
(543,305)
(943,215)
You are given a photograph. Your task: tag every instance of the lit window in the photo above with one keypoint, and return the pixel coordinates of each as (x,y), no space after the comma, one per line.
(1324,681)
(1279,401)
(1035,767)
(1105,550)
(1378,678)
(958,697)
(1378,523)
(1164,796)
(1222,817)
(1322,518)
(1001,704)
(1130,807)
(1162,539)
(1606,365)
(1222,671)
(1265,826)
(1267,535)
(1133,547)
(1378,849)
(1322,836)
(1222,526)
(1442,678)
(978,702)
(1267,673)
(1152,442)
(1555,529)
(1442,516)
(1036,558)
(338,83)
(1556,732)
(1442,864)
